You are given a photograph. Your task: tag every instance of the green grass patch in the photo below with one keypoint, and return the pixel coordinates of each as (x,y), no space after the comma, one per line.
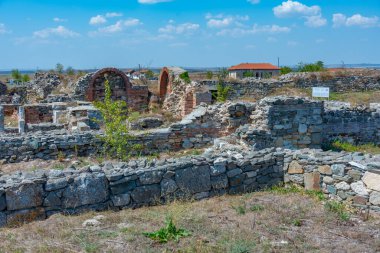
(365,148)
(338,208)
(168,233)
(256,208)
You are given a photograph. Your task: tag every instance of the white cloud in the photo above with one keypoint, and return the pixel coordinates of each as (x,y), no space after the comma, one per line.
(253,1)
(153,1)
(271,29)
(340,19)
(315,21)
(59,20)
(292,43)
(59,31)
(117,27)
(113,14)
(221,21)
(294,9)
(98,20)
(184,28)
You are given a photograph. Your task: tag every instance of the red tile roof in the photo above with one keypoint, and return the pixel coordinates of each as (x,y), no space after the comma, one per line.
(254,66)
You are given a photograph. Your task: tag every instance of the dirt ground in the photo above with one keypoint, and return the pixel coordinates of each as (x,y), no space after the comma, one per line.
(256,222)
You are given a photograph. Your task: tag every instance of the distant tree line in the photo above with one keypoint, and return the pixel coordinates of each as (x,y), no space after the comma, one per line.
(304,67)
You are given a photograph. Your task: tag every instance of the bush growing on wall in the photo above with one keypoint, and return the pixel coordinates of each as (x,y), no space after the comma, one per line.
(311,67)
(185,76)
(116,131)
(248,74)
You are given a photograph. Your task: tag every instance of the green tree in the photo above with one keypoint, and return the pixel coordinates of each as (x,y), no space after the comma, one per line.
(116,131)
(16,75)
(209,75)
(70,71)
(149,74)
(25,78)
(222,89)
(285,70)
(59,68)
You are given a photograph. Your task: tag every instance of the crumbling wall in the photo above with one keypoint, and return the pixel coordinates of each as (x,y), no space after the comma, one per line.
(223,169)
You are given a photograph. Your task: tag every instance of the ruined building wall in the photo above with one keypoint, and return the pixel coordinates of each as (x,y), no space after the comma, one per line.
(37,195)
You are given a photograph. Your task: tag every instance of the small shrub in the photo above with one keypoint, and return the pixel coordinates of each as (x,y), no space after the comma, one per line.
(338,208)
(311,67)
(345,146)
(316,194)
(248,74)
(209,75)
(242,247)
(256,208)
(168,233)
(297,222)
(222,92)
(185,77)
(240,209)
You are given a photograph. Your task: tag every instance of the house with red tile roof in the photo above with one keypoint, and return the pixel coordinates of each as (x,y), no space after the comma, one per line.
(257,70)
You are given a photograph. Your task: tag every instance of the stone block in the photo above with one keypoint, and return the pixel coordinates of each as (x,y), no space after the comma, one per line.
(219,182)
(331,189)
(151,177)
(325,169)
(359,188)
(55,184)
(146,194)
(86,189)
(168,186)
(3,203)
(374,198)
(372,181)
(233,173)
(360,200)
(3,219)
(121,200)
(237,180)
(123,187)
(342,186)
(328,180)
(338,169)
(194,179)
(295,168)
(312,181)
(24,196)
(52,199)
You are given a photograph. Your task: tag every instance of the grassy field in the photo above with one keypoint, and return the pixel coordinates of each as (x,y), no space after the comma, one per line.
(272,221)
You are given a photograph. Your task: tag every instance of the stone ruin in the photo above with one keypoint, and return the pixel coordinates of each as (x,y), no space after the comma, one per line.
(248,147)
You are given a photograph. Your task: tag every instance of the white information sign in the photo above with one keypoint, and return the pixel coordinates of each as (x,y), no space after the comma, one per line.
(321,92)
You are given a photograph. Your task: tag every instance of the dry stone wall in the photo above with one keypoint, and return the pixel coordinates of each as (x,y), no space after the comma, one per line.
(223,169)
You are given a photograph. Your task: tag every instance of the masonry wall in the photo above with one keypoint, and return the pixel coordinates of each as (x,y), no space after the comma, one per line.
(40,194)
(197,130)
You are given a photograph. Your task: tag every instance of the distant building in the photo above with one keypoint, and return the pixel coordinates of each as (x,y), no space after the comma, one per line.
(257,70)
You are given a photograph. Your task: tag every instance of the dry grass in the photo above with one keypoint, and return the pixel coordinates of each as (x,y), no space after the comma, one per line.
(269,223)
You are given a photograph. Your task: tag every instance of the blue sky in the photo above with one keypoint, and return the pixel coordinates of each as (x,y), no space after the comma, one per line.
(194,33)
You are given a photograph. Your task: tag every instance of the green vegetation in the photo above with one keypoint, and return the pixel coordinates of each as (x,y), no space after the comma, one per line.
(248,74)
(338,208)
(209,75)
(116,133)
(59,68)
(168,233)
(25,78)
(16,75)
(70,71)
(288,189)
(256,208)
(222,89)
(149,74)
(311,67)
(365,148)
(285,70)
(185,77)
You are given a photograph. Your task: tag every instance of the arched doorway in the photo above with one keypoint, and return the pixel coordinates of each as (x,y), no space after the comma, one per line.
(118,80)
(164,83)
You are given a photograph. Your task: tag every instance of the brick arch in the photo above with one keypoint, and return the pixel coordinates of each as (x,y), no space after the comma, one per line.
(94,92)
(164,85)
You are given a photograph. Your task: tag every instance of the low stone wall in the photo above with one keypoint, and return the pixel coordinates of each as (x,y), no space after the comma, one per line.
(196,130)
(224,169)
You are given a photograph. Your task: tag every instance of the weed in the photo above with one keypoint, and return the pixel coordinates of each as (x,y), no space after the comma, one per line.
(316,194)
(169,232)
(61,156)
(297,222)
(242,247)
(240,209)
(338,208)
(256,208)
(59,167)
